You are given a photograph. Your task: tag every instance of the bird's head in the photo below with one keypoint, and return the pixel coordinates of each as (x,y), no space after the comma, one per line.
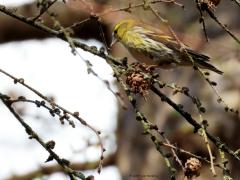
(120,29)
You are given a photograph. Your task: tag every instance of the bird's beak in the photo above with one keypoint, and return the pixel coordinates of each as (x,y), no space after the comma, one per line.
(114,40)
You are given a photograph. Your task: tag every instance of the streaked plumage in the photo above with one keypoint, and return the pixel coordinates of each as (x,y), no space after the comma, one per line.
(151,46)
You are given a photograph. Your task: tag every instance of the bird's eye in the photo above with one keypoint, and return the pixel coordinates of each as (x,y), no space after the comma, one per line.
(115,31)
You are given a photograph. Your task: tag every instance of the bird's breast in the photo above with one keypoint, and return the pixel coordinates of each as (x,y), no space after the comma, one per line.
(142,57)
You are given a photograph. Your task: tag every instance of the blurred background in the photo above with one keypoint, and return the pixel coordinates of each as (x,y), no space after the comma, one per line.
(47,64)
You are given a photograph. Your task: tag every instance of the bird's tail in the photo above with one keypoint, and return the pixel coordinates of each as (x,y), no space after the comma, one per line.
(203,61)
(206,65)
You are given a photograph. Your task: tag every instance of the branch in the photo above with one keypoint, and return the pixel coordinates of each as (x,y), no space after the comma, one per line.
(194,123)
(237,2)
(118,69)
(58,34)
(65,112)
(48,170)
(44,6)
(33,135)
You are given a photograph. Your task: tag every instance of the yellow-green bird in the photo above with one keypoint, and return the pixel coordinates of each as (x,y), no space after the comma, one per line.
(152,47)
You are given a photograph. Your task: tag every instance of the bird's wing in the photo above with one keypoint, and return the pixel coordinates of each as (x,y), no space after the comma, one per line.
(169,42)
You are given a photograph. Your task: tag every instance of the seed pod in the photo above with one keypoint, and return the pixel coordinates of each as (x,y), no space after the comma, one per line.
(192,167)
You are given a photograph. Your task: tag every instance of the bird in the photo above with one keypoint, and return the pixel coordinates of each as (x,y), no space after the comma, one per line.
(151,46)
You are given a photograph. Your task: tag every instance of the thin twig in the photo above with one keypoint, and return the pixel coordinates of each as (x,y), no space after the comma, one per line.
(126,9)
(52,103)
(193,122)
(224,161)
(147,125)
(212,15)
(174,153)
(33,134)
(237,2)
(202,132)
(201,20)
(44,9)
(221,100)
(113,62)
